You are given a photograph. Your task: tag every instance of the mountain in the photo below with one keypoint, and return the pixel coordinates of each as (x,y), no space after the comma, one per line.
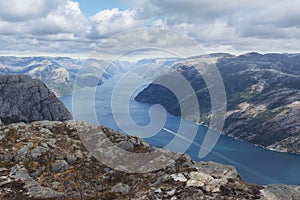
(62,74)
(155,67)
(23,99)
(47,160)
(263,96)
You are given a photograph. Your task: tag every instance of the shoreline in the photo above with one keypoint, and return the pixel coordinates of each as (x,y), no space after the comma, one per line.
(256,145)
(227,135)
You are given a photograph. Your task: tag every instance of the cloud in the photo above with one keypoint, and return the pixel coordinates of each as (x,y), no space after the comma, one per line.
(253,24)
(236,26)
(109,22)
(67,18)
(42,17)
(18,10)
(279,14)
(190,11)
(279,20)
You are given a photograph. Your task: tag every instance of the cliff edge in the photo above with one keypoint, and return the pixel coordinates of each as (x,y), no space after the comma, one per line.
(47,160)
(23,99)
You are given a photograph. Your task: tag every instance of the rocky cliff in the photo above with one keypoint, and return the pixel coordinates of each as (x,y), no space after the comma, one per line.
(47,160)
(263,97)
(23,99)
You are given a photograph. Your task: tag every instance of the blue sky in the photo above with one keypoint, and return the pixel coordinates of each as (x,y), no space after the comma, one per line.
(91,7)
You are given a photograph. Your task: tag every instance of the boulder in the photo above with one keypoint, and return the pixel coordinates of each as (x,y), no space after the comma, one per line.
(60,166)
(120,188)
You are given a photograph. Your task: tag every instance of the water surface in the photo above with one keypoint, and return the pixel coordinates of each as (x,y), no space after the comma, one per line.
(255,164)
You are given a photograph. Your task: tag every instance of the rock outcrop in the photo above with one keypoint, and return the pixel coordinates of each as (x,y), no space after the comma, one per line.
(47,160)
(23,99)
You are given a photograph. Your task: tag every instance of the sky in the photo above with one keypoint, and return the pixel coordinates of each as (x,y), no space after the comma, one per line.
(76,27)
(92,7)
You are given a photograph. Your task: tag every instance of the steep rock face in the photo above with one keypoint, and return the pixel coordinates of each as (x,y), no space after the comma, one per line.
(23,99)
(47,160)
(263,97)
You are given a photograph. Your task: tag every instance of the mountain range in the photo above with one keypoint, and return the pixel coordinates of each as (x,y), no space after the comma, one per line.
(62,74)
(47,159)
(263,96)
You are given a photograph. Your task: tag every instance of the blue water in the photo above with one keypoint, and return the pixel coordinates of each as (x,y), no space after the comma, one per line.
(255,164)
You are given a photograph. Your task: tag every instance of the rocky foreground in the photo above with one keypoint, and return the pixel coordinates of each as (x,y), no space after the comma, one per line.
(47,160)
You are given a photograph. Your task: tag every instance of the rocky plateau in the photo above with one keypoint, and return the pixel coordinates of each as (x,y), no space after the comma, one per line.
(47,160)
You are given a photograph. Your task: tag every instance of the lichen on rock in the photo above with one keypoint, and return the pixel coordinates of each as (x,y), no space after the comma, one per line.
(62,168)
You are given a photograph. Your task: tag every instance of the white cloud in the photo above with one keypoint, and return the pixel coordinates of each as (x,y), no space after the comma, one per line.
(109,22)
(42,17)
(226,22)
(20,10)
(67,18)
(280,14)
(236,26)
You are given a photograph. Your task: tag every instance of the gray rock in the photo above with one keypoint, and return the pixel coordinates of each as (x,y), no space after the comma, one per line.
(78,154)
(218,170)
(38,172)
(126,145)
(281,192)
(23,99)
(24,150)
(71,159)
(38,151)
(45,145)
(179,177)
(55,185)
(35,190)
(2,169)
(1,136)
(60,166)
(206,181)
(51,143)
(47,124)
(5,180)
(158,190)
(46,132)
(120,188)
(171,192)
